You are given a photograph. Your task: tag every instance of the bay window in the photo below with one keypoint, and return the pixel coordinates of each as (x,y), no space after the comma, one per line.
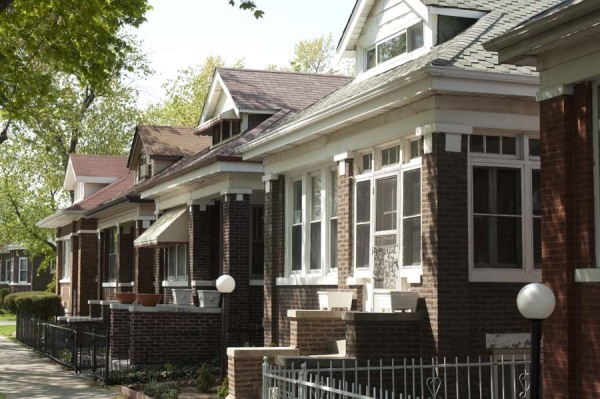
(312,223)
(6,270)
(505,209)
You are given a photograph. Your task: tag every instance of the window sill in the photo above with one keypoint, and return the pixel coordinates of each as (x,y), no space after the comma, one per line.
(307,280)
(504,276)
(175,283)
(65,281)
(131,284)
(591,275)
(112,284)
(19,283)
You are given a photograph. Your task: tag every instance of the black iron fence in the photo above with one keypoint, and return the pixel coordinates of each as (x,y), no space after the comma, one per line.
(81,347)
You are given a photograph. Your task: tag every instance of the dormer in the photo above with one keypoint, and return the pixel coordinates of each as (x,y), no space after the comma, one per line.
(383,34)
(87,174)
(155,148)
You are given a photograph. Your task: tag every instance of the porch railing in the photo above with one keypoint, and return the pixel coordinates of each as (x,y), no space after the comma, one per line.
(496,378)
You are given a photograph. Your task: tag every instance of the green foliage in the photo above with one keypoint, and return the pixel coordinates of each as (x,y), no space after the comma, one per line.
(313,55)
(205,380)
(223,389)
(185,95)
(162,390)
(42,304)
(3,293)
(250,6)
(168,372)
(8,331)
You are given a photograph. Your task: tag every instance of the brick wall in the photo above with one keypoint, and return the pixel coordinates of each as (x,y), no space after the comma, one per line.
(312,332)
(88,272)
(160,269)
(570,334)
(345,205)
(143,269)
(119,333)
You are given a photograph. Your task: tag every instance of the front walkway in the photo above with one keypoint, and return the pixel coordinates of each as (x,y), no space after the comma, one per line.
(24,374)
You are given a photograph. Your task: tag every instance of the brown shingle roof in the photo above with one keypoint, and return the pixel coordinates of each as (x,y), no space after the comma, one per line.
(99,165)
(270,90)
(169,141)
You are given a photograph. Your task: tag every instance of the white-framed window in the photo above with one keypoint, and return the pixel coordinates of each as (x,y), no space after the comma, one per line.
(178,262)
(392,47)
(312,223)
(6,268)
(504,208)
(387,211)
(112,238)
(66,260)
(225,129)
(23,268)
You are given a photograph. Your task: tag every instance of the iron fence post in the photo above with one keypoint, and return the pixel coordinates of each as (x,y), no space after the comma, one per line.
(74,350)
(106,354)
(266,385)
(302,377)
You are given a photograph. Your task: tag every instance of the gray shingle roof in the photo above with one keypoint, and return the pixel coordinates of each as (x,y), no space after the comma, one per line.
(268,90)
(464,51)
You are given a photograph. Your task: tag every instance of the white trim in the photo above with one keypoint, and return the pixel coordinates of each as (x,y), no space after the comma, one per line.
(443,128)
(65,281)
(84,232)
(591,275)
(455,12)
(547,94)
(19,283)
(237,191)
(204,283)
(175,283)
(307,280)
(130,284)
(110,284)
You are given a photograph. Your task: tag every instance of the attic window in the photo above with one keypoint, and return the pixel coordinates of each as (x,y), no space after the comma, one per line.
(406,42)
(451,26)
(225,129)
(143,166)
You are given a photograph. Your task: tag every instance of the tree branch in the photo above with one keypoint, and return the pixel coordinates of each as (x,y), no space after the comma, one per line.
(4,132)
(31,231)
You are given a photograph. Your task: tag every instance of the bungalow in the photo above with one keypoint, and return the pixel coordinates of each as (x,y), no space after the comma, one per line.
(421,175)
(562,43)
(20,272)
(211,204)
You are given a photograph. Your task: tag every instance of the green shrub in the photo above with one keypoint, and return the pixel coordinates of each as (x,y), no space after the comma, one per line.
(223,390)
(162,390)
(205,380)
(3,293)
(39,303)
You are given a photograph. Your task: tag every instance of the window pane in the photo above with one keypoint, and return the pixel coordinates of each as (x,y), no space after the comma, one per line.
(371,61)
(534,147)
(385,241)
(391,48)
(216,133)
(492,145)
(386,204)
(509,242)
(334,183)
(333,243)
(415,37)
(535,193)
(172,261)
(316,197)
(416,148)
(497,242)
(411,241)
(182,261)
(258,259)
(475,143)
(390,155)
(363,201)
(537,242)
(363,243)
(508,191)
(315,245)
(226,132)
(412,192)
(297,217)
(509,145)
(367,162)
(297,247)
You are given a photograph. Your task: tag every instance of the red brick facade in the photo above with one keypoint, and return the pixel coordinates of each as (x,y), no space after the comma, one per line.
(571,341)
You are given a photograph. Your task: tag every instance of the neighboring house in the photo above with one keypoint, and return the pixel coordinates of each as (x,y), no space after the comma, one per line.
(20,272)
(421,175)
(563,44)
(91,180)
(211,204)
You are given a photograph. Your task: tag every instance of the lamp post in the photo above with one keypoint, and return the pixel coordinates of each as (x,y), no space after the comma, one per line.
(536,302)
(225,285)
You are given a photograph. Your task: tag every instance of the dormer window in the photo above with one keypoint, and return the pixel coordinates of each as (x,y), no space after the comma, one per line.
(225,129)
(144,167)
(406,42)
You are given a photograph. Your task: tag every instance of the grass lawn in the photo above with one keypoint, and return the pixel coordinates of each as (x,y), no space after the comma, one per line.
(7,317)
(7,331)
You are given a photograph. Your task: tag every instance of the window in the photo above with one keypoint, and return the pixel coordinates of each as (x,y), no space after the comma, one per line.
(224,130)
(258,227)
(66,260)
(23,264)
(111,255)
(451,26)
(405,42)
(144,167)
(505,209)
(312,221)
(387,235)
(6,270)
(178,255)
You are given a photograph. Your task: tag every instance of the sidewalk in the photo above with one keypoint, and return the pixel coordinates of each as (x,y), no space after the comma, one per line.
(24,374)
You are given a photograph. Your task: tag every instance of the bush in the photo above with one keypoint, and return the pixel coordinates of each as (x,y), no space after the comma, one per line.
(37,303)
(3,293)
(223,390)
(205,380)
(162,390)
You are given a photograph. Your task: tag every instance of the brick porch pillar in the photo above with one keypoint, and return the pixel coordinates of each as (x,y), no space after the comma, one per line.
(125,258)
(345,201)
(201,236)
(143,269)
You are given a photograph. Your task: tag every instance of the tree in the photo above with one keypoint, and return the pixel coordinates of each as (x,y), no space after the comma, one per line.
(41,39)
(185,95)
(250,6)
(313,55)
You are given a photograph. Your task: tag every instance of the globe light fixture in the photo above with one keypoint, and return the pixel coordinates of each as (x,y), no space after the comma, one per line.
(536,302)
(225,285)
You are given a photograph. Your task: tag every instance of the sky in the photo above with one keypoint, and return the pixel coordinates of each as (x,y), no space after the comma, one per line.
(182,33)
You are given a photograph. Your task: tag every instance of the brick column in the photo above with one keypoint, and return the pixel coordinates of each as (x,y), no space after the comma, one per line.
(567,236)
(125,258)
(87,283)
(274,253)
(160,269)
(345,201)
(143,273)
(201,236)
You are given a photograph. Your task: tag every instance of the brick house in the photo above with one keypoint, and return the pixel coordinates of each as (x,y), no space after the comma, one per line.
(563,44)
(421,175)
(19,271)
(91,180)
(211,204)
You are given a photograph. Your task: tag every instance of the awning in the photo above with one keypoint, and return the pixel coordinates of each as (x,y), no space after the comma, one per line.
(170,228)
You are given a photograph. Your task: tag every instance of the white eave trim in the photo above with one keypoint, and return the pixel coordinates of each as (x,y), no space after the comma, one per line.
(59,219)
(456,12)
(202,173)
